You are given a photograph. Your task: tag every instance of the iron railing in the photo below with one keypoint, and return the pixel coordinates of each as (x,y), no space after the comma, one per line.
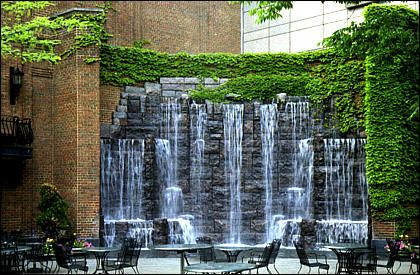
(16,131)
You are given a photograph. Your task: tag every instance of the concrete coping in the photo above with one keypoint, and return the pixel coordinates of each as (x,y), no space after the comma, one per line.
(69,12)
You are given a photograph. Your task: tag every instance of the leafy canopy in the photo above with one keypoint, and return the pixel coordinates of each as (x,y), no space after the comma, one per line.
(28,38)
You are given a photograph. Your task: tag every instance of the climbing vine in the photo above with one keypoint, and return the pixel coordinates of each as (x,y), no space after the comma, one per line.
(388,43)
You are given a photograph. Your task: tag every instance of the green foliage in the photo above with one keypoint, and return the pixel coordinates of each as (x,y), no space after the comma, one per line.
(127,66)
(254,87)
(388,43)
(342,80)
(31,39)
(53,216)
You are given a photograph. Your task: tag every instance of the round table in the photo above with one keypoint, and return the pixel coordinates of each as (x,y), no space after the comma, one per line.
(100,255)
(219,267)
(181,249)
(232,250)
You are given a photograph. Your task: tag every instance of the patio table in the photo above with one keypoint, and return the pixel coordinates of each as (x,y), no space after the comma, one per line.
(181,249)
(227,267)
(232,250)
(344,253)
(100,255)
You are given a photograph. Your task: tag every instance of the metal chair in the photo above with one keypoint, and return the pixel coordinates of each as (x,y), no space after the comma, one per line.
(274,254)
(304,259)
(36,259)
(392,257)
(362,260)
(67,261)
(262,260)
(132,255)
(127,257)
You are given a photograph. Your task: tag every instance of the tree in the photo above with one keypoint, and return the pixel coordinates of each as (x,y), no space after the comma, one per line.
(53,216)
(27,38)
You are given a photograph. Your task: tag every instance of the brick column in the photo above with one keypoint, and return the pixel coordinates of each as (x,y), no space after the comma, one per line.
(77,148)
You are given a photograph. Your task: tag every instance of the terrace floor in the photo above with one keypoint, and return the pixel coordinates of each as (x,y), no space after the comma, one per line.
(169,264)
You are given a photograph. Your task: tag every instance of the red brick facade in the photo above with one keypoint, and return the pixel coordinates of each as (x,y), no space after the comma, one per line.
(67,104)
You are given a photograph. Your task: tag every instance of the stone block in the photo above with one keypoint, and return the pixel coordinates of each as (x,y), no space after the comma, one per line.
(172,80)
(191,80)
(166,93)
(152,89)
(133,90)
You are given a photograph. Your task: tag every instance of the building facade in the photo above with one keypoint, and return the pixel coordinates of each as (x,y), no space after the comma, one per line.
(66,104)
(303,27)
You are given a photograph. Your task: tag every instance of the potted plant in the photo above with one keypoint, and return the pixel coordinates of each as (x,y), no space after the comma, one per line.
(53,216)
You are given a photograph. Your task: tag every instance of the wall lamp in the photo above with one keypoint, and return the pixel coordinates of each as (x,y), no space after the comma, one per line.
(16,77)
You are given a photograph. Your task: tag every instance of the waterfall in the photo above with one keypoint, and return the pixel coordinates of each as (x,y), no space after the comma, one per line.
(142,231)
(268,128)
(198,120)
(170,111)
(171,201)
(167,159)
(298,195)
(122,163)
(109,232)
(233,131)
(345,186)
(181,230)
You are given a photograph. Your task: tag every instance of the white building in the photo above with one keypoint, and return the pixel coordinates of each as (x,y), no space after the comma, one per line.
(301,28)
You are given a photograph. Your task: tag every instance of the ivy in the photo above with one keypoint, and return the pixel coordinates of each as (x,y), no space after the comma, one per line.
(388,43)
(254,87)
(132,65)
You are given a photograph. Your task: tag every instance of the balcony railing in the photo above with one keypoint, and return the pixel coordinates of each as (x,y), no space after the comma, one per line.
(16,131)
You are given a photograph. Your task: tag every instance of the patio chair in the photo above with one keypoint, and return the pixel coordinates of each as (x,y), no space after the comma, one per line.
(304,259)
(69,262)
(263,259)
(392,256)
(209,254)
(415,262)
(12,261)
(36,259)
(127,257)
(116,264)
(132,255)
(274,254)
(362,260)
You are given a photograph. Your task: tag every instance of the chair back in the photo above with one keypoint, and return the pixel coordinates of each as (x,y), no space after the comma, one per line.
(207,254)
(61,257)
(265,256)
(363,259)
(300,250)
(132,253)
(276,248)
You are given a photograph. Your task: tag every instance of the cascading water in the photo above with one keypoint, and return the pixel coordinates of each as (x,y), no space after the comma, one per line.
(233,131)
(122,163)
(345,183)
(268,128)
(286,226)
(198,120)
(167,162)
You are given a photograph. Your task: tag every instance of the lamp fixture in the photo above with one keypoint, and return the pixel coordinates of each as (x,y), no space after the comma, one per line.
(16,77)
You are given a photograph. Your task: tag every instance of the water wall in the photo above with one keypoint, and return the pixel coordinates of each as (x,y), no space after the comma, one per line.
(236,173)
